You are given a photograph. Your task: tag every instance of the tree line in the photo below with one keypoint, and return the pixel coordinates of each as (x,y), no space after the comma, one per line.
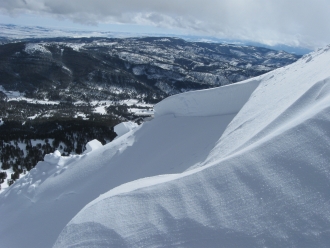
(22,146)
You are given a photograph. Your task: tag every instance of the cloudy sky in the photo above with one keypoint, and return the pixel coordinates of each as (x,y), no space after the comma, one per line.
(304,23)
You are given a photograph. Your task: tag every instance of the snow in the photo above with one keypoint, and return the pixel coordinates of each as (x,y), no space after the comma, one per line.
(124,127)
(10,171)
(217,101)
(75,46)
(1,122)
(35,142)
(4,185)
(81,114)
(31,100)
(33,48)
(136,102)
(21,145)
(246,165)
(101,110)
(10,94)
(53,158)
(76,180)
(138,70)
(164,40)
(33,117)
(66,68)
(92,146)
(19,96)
(141,112)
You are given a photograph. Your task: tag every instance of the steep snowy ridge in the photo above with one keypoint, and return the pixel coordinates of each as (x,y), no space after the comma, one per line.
(285,98)
(53,192)
(246,164)
(266,182)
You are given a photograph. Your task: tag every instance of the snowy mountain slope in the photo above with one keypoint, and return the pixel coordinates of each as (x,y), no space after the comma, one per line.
(212,102)
(261,181)
(290,95)
(265,183)
(52,193)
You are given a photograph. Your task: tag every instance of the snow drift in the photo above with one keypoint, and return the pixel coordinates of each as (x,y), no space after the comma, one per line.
(92,145)
(42,203)
(245,165)
(124,127)
(265,183)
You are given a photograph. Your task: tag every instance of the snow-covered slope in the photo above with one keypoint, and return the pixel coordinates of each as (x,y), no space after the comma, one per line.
(263,180)
(52,193)
(265,183)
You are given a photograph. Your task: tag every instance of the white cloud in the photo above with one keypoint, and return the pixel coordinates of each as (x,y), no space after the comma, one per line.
(294,22)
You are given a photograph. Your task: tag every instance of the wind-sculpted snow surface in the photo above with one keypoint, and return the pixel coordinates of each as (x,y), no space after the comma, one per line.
(37,207)
(198,175)
(266,182)
(218,101)
(93,145)
(124,127)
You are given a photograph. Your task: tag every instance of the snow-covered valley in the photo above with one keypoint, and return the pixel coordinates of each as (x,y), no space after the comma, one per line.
(244,165)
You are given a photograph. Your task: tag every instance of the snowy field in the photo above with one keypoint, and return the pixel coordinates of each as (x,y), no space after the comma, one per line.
(144,109)
(245,165)
(135,106)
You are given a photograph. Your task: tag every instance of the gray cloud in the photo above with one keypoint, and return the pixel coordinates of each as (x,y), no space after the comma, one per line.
(294,22)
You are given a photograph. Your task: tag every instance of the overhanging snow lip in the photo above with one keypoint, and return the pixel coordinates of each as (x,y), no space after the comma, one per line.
(211,102)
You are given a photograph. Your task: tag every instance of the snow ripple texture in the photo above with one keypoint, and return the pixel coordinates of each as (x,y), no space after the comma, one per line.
(245,165)
(266,183)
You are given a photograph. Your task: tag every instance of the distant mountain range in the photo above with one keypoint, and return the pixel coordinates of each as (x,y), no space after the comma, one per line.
(106,68)
(13,32)
(83,70)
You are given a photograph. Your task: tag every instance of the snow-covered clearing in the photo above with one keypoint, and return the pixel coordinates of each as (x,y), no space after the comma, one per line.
(9,172)
(36,48)
(10,94)
(101,110)
(19,96)
(141,112)
(144,109)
